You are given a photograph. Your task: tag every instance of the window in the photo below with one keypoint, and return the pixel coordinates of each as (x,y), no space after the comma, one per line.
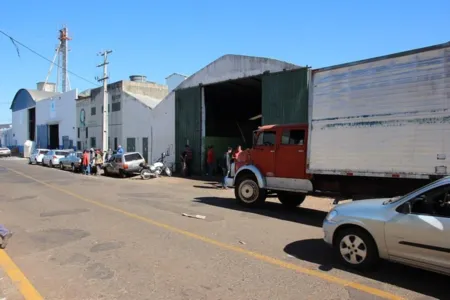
(132,157)
(93,145)
(78,145)
(87,132)
(435,202)
(109,108)
(78,132)
(115,106)
(43,152)
(116,144)
(266,138)
(131,144)
(61,153)
(293,137)
(93,111)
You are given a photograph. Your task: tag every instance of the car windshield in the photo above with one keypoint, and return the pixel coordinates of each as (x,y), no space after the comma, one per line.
(4,149)
(398,198)
(43,152)
(80,154)
(61,153)
(132,157)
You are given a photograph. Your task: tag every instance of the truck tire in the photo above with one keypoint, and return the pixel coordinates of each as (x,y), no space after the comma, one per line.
(248,193)
(291,200)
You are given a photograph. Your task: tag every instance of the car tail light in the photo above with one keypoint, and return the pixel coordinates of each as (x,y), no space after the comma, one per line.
(54,157)
(125,166)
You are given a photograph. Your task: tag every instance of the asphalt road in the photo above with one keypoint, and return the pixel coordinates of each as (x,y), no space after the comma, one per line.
(80,237)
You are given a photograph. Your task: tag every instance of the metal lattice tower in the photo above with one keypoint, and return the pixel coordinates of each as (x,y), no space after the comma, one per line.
(62,54)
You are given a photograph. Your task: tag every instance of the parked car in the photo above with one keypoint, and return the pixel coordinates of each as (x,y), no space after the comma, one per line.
(52,157)
(123,164)
(72,161)
(37,156)
(5,152)
(413,229)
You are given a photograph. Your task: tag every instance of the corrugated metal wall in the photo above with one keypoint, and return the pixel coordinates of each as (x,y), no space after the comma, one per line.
(42,136)
(285,97)
(188,125)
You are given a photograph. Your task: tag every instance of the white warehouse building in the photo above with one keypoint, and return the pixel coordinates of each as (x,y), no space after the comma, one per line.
(130,115)
(23,109)
(55,121)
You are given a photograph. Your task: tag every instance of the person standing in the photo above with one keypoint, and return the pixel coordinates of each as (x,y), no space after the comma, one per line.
(5,235)
(119,150)
(210,160)
(86,163)
(187,158)
(226,166)
(98,162)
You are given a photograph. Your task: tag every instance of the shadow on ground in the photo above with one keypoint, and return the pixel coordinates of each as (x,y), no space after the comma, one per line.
(300,215)
(419,281)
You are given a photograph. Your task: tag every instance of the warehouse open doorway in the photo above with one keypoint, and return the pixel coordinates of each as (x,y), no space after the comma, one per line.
(233,110)
(31,124)
(53,136)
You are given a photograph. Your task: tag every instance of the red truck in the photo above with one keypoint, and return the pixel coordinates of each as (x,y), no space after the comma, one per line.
(376,128)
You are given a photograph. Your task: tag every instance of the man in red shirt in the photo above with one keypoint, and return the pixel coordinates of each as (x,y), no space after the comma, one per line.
(210,160)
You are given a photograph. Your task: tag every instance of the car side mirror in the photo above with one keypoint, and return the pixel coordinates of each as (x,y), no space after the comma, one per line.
(406,208)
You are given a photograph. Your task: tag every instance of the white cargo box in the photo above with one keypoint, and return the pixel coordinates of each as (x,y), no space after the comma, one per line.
(386,116)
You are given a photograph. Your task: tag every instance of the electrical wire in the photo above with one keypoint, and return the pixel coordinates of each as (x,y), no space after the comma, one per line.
(14,41)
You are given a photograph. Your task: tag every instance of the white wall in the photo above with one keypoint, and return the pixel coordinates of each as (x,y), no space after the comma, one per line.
(138,125)
(19,127)
(6,137)
(164,128)
(63,113)
(174,80)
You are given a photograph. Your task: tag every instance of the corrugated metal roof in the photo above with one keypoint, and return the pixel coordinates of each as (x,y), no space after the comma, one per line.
(146,100)
(231,67)
(40,95)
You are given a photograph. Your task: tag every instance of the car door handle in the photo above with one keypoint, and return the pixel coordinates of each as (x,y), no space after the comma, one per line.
(301,151)
(272,151)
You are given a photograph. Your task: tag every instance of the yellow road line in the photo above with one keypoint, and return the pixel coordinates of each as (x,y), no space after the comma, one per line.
(25,287)
(258,256)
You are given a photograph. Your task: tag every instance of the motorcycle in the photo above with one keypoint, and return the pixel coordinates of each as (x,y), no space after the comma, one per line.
(147,171)
(161,166)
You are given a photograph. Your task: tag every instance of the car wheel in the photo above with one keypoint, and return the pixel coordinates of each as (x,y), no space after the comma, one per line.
(291,200)
(61,166)
(30,162)
(248,193)
(50,164)
(73,168)
(122,174)
(356,248)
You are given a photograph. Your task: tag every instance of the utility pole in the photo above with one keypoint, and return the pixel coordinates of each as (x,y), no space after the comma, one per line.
(105,97)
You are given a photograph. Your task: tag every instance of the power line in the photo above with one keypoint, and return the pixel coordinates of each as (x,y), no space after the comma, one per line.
(14,41)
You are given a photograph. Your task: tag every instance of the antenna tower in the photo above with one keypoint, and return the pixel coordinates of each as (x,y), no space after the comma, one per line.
(61,54)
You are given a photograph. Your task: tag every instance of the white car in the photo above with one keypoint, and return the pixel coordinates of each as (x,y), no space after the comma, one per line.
(37,156)
(52,157)
(5,151)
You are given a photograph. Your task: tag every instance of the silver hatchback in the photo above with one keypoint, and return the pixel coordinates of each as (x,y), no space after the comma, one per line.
(413,229)
(123,164)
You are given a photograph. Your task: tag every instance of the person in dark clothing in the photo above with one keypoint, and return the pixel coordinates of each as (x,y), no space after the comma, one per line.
(187,159)
(226,166)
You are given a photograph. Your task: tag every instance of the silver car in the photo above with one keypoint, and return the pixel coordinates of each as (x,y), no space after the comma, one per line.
(71,161)
(5,152)
(52,157)
(412,229)
(37,156)
(123,164)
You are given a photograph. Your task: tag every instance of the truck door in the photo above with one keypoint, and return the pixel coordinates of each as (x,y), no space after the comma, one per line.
(263,152)
(291,154)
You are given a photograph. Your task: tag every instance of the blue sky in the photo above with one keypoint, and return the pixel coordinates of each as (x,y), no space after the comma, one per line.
(157,38)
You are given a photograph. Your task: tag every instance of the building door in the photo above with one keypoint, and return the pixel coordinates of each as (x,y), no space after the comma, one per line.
(145,148)
(115,144)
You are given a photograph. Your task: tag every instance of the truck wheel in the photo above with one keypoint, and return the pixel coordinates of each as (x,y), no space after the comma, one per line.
(356,248)
(291,200)
(248,193)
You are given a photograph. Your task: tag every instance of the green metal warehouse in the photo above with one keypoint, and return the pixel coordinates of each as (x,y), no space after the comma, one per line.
(223,103)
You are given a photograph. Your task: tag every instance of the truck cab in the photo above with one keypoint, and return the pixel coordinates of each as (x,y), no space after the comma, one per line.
(276,163)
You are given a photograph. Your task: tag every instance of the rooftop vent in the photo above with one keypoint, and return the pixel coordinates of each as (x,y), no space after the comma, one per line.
(138,78)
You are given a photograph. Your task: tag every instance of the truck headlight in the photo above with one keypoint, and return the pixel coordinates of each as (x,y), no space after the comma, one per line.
(331,215)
